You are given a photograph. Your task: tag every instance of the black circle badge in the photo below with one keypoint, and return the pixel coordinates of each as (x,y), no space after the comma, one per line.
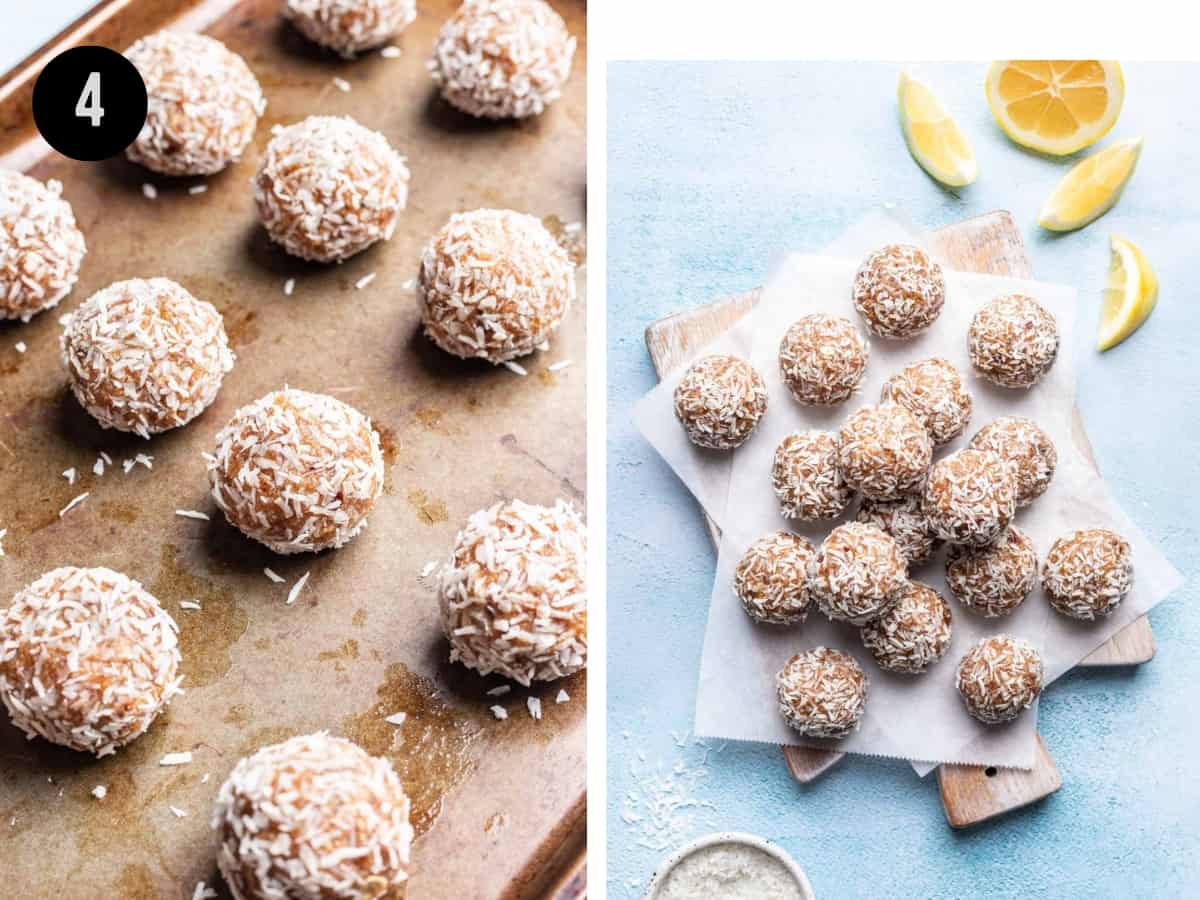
(89,103)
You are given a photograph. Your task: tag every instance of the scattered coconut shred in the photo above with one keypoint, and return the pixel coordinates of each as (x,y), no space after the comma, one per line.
(191,514)
(3,532)
(297,588)
(203,892)
(662,805)
(273,575)
(289,286)
(342,85)
(20,347)
(70,506)
(499,712)
(180,758)
(535,707)
(69,474)
(177,812)
(197,189)
(99,792)
(396,718)
(149,191)
(364,281)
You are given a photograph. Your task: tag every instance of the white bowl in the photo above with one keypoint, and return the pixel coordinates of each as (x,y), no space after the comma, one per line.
(730,837)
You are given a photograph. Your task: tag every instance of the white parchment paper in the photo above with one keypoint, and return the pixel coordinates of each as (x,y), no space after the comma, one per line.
(921,718)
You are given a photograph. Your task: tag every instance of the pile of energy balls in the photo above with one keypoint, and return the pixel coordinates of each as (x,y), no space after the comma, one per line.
(88,657)
(910,503)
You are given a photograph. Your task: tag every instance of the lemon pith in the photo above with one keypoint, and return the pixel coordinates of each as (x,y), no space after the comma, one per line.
(934,139)
(1129,296)
(1055,106)
(1091,188)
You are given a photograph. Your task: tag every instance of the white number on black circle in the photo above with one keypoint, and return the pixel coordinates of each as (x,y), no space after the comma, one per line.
(88,105)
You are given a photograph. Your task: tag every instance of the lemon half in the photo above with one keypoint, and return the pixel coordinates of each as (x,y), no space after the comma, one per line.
(1055,106)
(1091,188)
(1129,296)
(933,138)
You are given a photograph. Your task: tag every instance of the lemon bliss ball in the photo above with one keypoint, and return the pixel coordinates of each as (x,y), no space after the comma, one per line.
(899,291)
(822,359)
(1013,341)
(494,284)
(297,471)
(328,188)
(41,247)
(513,595)
(1026,448)
(999,678)
(313,817)
(719,401)
(884,451)
(502,59)
(857,574)
(1088,573)
(203,104)
(88,659)
(349,27)
(904,521)
(145,356)
(806,477)
(913,634)
(970,497)
(993,580)
(932,390)
(771,579)
(822,693)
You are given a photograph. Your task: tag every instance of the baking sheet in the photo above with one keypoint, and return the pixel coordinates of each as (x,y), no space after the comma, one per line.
(500,799)
(922,718)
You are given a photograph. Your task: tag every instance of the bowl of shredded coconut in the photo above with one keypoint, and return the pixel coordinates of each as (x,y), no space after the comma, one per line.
(732,866)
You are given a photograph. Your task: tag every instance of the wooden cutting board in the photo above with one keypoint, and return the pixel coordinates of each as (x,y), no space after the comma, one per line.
(989,244)
(500,806)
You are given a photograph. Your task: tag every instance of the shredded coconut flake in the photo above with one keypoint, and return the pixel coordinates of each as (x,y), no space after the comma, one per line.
(69,474)
(289,286)
(297,588)
(273,575)
(559,366)
(70,506)
(342,85)
(180,758)
(149,191)
(99,792)
(191,514)
(499,712)
(562,697)
(189,604)
(20,346)
(364,281)
(177,812)
(198,189)
(535,707)
(500,691)
(390,52)
(515,367)
(396,718)
(203,892)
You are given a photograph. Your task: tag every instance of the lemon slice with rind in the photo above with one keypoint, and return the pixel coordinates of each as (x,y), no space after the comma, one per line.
(1055,106)
(1129,296)
(1091,188)
(934,139)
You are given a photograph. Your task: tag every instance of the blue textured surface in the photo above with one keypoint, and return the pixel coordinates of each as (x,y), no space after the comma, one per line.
(714,170)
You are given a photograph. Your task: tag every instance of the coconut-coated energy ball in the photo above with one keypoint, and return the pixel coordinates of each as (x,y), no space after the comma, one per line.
(494,284)
(993,580)
(145,356)
(899,291)
(913,634)
(970,497)
(999,678)
(822,359)
(884,451)
(88,659)
(806,477)
(1027,449)
(502,59)
(328,188)
(719,401)
(1013,341)
(932,390)
(313,817)
(513,595)
(904,521)
(203,104)
(41,247)
(857,574)
(771,579)
(822,693)
(348,27)
(1088,573)
(297,471)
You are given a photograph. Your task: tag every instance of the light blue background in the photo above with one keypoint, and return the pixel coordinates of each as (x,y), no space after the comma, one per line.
(715,170)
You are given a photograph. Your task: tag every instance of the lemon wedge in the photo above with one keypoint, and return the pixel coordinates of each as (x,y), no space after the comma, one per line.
(933,138)
(1091,188)
(1129,296)
(1055,106)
